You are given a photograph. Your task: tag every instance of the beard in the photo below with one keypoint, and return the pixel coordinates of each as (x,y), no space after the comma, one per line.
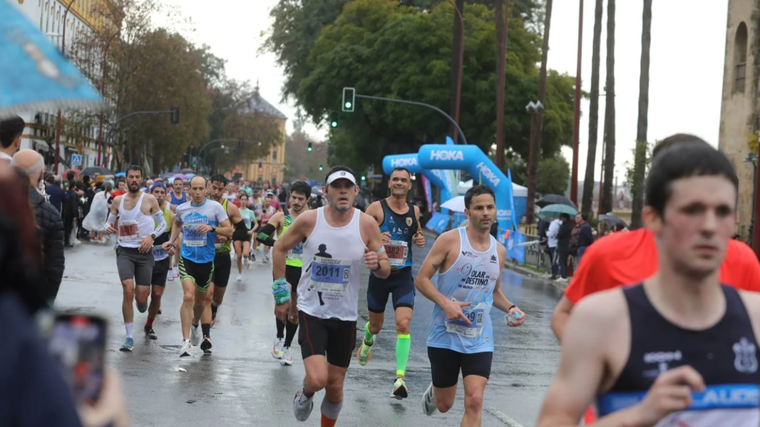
(134,189)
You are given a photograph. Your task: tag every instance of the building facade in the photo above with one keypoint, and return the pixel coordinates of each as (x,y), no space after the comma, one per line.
(270,168)
(48,16)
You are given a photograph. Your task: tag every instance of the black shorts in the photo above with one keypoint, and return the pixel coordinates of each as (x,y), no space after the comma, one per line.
(160,269)
(331,337)
(200,274)
(445,365)
(222,268)
(241,235)
(293,276)
(400,284)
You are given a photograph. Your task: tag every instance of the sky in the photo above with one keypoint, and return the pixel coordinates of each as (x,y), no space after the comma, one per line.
(686,73)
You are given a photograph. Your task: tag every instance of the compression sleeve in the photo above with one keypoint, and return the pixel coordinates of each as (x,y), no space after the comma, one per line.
(160,223)
(265,235)
(111,220)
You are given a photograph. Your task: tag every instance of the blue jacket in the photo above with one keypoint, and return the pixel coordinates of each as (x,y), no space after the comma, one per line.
(56,195)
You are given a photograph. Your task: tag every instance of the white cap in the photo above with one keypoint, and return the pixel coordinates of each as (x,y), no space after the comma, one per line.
(341,175)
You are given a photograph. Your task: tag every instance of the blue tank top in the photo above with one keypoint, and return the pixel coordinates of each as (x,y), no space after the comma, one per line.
(471,278)
(176,201)
(724,354)
(402,228)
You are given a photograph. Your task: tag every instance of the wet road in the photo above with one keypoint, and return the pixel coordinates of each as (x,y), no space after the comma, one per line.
(241,384)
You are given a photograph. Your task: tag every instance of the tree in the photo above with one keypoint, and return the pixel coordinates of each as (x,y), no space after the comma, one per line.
(631,179)
(457,45)
(553,175)
(640,153)
(593,115)
(609,112)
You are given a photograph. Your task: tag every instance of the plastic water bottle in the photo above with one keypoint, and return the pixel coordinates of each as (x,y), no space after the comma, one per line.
(512,317)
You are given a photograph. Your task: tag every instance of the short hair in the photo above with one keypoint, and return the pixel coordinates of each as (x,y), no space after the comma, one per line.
(70,175)
(401,169)
(50,179)
(477,190)
(337,169)
(10,129)
(684,161)
(301,187)
(219,178)
(33,170)
(242,194)
(177,178)
(201,177)
(675,140)
(86,179)
(135,168)
(584,215)
(564,216)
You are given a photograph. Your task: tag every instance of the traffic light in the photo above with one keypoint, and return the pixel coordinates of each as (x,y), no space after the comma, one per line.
(364,178)
(349,95)
(334,121)
(320,168)
(175,115)
(309,148)
(240,146)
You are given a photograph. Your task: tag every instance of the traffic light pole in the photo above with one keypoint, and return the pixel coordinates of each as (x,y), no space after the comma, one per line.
(419,104)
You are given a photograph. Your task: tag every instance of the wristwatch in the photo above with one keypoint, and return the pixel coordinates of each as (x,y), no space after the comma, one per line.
(153,236)
(213,229)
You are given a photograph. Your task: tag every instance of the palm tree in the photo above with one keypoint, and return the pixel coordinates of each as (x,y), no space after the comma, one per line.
(593,116)
(640,158)
(609,112)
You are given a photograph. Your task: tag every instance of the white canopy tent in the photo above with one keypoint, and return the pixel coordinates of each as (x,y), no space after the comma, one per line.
(517,190)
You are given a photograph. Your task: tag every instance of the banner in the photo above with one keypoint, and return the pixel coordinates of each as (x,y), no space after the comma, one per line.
(514,251)
(428,192)
(438,223)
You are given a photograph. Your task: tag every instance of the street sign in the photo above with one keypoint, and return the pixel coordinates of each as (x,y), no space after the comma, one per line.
(76,159)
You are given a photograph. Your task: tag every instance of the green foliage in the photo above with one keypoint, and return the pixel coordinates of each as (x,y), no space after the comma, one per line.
(630,180)
(553,175)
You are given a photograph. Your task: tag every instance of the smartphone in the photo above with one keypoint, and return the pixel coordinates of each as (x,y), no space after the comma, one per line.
(78,342)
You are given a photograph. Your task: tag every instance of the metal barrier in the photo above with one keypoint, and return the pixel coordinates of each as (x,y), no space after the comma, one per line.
(535,255)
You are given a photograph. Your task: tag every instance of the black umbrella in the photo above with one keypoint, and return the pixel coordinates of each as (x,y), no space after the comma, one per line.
(94,171)
(612,220)
(555,199)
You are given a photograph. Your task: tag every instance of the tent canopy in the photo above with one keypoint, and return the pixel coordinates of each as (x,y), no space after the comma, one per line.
(517,190)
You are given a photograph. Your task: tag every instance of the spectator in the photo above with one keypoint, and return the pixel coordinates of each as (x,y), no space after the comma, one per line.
(551,243)
(70,212)
(56,195)
(273,202)
(10,137)
(563,244)
(48,221)
(586,235)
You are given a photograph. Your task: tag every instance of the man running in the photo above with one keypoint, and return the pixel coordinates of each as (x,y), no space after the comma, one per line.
(336,240)
(141,221)
(678,348)
(468,262)
(162,259)
(267,212)
(199,220)
(299,203)
(399,223)
(223,247)
(178,197)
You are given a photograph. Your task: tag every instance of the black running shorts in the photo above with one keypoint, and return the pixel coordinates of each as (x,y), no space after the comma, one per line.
(399,285)
(334,338)
(134,265)
(293,276)
(241,235)
(160,269)
(445,365)
(200,274)
(222,268)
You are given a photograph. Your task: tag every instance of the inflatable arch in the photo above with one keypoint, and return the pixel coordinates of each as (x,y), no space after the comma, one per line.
(412,164)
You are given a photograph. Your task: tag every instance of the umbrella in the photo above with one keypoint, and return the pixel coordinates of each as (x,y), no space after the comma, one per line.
(95,171)
(34,75)
(554,211)
(189,175)
(179,175)
(120,174)
(612,220)
(455,204)
(555,199)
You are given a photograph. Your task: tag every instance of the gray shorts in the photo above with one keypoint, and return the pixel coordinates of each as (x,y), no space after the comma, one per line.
(134,265)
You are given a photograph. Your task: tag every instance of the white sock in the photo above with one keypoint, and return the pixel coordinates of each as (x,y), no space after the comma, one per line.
(128,326)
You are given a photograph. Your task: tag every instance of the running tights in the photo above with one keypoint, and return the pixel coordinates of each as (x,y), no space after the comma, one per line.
(291,331)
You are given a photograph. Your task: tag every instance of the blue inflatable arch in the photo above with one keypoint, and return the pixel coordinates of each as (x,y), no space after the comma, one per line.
(412,164)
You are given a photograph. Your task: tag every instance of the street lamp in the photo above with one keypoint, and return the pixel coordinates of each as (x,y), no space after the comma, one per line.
(532,108)
(58,123)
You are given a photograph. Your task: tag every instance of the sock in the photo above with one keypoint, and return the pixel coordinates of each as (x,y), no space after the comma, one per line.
(369,337)
(403,345)
(326,422)
(290,333)
(214,308)
(280,329)
(330,412)
(206,328)
(149,322)
(306,393)
(128,327)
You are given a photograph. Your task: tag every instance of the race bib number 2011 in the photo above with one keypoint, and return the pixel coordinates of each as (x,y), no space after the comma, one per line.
(330,274)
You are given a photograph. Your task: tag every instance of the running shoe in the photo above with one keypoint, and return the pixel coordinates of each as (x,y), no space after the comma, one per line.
(399,389)
(277,348)
(195,335)
(150,333)
(186,350)
(364,354)
(128,345)
(169,276)
(206,345)
(302,406)
(428,401)
(265,260)
(253,257)
(239,277)
(287,358)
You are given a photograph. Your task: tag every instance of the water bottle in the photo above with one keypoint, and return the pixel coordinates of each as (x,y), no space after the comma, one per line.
(512,317)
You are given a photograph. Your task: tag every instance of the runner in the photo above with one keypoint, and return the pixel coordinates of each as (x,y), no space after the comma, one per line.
(267,212)
(178,197)
(242,236)
(199,220)
(678,348)
(399,223)
(299,202)
(469,262)
(223,258)
(624,258)
(336,239)
(134,255)
(256,203)
(162,260)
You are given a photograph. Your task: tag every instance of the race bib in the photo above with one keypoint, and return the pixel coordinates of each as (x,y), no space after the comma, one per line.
(192,236)
(330,274)
(397,251)
(218,242)
(159,253)
(460,327)
(296,253)
(128,231)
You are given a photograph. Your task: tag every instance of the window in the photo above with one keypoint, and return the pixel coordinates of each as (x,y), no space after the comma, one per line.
(274,157)
(740,58)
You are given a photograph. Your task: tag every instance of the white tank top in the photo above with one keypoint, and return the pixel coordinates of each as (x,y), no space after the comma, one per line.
(332,257)
(134,226)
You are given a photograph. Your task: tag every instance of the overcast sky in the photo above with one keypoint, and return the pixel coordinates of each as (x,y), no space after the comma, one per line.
(688,44)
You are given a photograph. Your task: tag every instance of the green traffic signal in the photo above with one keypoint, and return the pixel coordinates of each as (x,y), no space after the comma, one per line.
(309,148)
(348,105)
(320,167)
(364,178)
(334,123)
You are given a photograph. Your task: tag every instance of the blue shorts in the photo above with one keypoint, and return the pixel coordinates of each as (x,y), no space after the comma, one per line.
(400,284)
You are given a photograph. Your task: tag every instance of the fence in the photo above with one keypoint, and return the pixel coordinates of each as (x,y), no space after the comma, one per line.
(535,255)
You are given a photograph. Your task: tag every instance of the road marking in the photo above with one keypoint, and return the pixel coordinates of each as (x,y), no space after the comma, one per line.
(504,418)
